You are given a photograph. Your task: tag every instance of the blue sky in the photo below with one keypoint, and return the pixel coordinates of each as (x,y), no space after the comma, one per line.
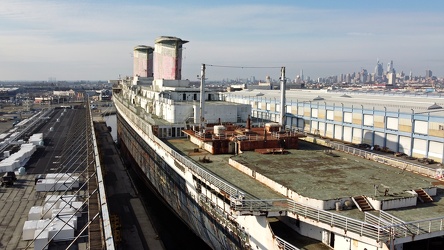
(93,40)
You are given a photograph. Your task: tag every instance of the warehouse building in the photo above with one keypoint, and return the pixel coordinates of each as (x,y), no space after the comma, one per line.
(408,123)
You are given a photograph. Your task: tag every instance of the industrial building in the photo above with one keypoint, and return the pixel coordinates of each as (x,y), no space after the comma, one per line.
(408,123)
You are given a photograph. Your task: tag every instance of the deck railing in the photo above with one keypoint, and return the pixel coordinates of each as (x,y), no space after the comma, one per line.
(208,177)
(387,219)
(329,219)
(285,245)
(399,163)
(417,227)
(372,227)
(107,232)
(404,165)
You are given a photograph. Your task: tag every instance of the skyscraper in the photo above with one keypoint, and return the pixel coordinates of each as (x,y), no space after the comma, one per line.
(348,78)
(378,69)
(428,74)
(391,78)
(390,68)
(363,76)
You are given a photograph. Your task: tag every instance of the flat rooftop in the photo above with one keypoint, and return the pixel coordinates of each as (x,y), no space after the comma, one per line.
(404,102)
(317,172)
(324,174)
(65,151)
(16,200)
(219,167)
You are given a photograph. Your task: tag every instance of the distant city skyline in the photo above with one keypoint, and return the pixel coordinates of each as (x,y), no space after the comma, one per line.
(94,40)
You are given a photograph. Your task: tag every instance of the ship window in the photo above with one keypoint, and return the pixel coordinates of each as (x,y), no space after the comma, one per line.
(174,132)
(184,96)
(195,97)
(161,132)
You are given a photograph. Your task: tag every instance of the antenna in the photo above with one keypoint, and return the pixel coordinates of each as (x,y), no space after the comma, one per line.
(202,99)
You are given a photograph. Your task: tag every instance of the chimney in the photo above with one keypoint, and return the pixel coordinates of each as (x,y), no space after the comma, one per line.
(168,58)
(265,134)
(283,101)
(248,123)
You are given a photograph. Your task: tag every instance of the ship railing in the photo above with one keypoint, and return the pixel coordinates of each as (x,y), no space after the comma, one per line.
(404,165)
(375,220)
(247,205)
(373,227)
(116,86)
(104,209)
(390,218)
(199,134)
(327,218)
(133,109)
(278,135)
(419,227)
(207,176)
(275,135)
(403,230)
(288,133)
(218,137)
(385,222)
(331,219)
(285,245)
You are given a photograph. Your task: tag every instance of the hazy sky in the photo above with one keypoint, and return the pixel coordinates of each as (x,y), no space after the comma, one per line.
(94,39)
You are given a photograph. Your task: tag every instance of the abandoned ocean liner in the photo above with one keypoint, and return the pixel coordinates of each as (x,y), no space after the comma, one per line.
(244,185)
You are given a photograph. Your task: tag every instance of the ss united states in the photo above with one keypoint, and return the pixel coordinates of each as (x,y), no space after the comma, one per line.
(240,182)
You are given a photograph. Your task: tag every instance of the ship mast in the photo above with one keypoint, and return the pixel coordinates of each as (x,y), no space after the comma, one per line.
(283,101)
(202,99)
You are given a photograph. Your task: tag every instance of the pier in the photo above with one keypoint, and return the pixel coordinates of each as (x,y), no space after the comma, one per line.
(76,142)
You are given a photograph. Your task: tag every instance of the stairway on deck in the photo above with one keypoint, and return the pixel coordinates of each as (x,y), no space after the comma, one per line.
(362,203)
(423,196)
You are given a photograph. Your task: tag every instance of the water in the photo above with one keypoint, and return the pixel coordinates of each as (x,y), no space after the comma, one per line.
(111,121)
(172,231)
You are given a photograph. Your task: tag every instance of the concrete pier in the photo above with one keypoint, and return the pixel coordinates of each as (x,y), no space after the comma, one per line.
(65,150)
(131,221)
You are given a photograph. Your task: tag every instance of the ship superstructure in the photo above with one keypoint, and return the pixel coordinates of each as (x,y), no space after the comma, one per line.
(235,183)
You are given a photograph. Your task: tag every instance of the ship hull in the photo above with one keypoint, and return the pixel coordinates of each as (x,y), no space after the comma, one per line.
(171,188)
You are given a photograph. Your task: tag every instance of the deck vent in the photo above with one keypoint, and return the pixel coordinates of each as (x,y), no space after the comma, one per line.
(434,106)
(318,98)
